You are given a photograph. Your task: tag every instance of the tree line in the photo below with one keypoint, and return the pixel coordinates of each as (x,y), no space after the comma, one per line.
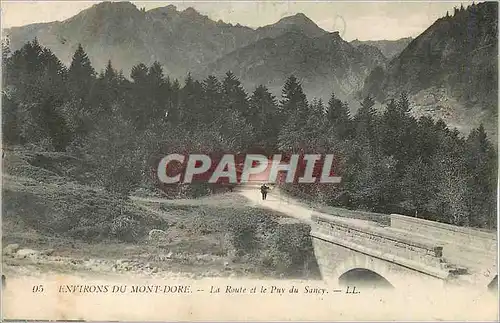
(389,161)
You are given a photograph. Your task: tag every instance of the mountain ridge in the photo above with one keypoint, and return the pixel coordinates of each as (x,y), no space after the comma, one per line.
(390,48)
(189,42)
(182,41)
(327,60)
(455,75)
(188,30)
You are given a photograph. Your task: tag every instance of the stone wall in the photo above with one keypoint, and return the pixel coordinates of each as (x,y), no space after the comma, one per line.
(382,239)
(359,237)
(410,251)
(329,257)
(382,219)
(335,260)
(484,241)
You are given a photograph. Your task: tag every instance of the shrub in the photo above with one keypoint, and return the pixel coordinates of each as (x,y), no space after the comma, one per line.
(80,214)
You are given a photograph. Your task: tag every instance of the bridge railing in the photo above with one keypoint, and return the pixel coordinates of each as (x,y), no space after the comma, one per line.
(311,201)
(381,240)
(470,237)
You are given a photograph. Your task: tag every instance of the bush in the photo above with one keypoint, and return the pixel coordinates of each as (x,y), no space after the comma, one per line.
(289,251)
(80,214)
(125,228)
(243,235)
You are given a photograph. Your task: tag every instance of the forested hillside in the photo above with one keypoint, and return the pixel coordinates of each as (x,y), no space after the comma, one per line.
(389,162)
(389,48)
(450,70)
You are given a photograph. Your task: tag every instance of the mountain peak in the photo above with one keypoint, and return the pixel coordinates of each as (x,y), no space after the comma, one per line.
(171,7)
(190,11)
(298,18)
(113,11)
(114,6)
(300,15)
(168,9)
(298,22)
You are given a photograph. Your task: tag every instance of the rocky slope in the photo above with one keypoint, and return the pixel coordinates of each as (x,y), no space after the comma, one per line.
(186,41)
(390,48)
(180,40)
(323,64)
(450,70)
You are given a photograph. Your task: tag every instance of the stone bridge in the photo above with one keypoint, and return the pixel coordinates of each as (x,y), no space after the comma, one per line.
(408,252)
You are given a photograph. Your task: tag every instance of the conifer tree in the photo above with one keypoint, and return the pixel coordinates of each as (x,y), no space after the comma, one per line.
(264,117)
(366,121)
(157,94)
(481,163)
(81,75)
(234,96)
(212,99)
(139,74)
(293,100)
(338,116)
(191,103)
(110,75)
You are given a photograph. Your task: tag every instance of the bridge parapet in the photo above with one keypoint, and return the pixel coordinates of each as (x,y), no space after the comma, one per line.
(470,237)
(381,242)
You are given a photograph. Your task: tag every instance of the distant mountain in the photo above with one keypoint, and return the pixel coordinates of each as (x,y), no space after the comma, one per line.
(450,70)
(323,64)
(390,48)
(299,23)
(181,40)
(187,41)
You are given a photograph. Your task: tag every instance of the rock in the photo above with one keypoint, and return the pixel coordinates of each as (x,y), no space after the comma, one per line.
(157,235)
(119,262)
(155,270)
(10,249)
(169,255)
(48,252)
(23,253)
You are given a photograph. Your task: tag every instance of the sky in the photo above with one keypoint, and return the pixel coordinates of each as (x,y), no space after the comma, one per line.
(363,20)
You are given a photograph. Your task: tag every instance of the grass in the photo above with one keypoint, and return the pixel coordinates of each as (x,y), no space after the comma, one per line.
(45,207)
(75,211)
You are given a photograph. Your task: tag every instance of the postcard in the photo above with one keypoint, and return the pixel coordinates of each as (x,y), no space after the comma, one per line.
(249,161)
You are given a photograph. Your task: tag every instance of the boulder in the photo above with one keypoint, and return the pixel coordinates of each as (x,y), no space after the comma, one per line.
(10,249)
(157,235)
(24,253)
(47,252)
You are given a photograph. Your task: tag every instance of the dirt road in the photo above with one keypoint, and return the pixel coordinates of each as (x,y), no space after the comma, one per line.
(249,195)
(244,196)
(277,202)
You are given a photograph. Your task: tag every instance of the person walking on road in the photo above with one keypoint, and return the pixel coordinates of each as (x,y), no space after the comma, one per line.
(263,190)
